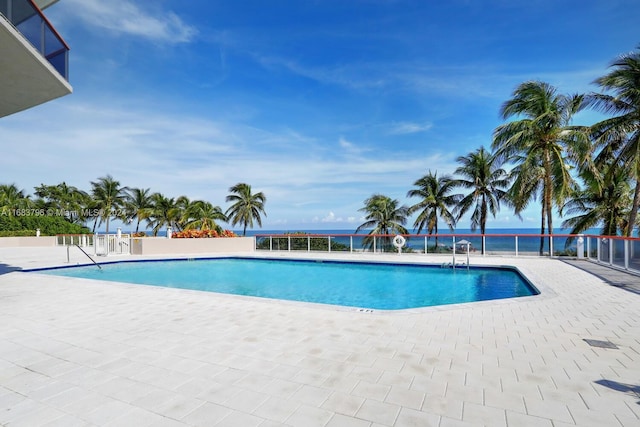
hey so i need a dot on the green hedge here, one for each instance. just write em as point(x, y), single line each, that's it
point(48, 225)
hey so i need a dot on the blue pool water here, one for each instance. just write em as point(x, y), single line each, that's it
point(362, 285)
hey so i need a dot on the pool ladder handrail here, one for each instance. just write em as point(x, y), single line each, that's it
point(82, 250)
point(453, 266)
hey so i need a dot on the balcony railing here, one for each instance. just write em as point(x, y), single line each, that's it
point(617, 252)
point(29, 20)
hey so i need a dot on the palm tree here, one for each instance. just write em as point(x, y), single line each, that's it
point(109, 197)
point(246, 207)
point(601, 203)
point(138, 205)
point(486, 181)
point(164, 212)
point(542, 141)
point(622, 132)
point(385, 217)
point(203, 215)
point(184, 207)
point(435, 200)
point(12, 198)
point(69, 200)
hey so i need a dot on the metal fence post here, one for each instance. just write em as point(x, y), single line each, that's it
point(626, 254)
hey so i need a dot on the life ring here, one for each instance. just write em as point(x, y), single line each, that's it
point(399, 241)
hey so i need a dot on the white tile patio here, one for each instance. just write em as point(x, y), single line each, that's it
point(79, 352)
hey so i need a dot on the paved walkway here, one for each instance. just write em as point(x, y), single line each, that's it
point(612, 276)
point(75, 352)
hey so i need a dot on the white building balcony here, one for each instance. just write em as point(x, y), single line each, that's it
point(34, 59)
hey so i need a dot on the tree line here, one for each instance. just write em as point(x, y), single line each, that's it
point(589, 173)
point(108, 200)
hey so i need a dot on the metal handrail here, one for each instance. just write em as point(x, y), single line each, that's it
point(82, 250)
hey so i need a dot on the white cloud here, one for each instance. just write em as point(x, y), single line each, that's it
point(351, 147)
point(125, 17)
point(405, 128)
point(346, 144)
point(331, 217)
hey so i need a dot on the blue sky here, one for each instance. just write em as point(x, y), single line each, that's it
point(318, 104)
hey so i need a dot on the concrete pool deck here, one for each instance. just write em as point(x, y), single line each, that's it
point(75, 352)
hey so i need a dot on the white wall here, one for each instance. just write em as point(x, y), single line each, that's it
point(162, 245)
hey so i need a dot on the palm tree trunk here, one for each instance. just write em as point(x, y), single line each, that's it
point(483, 221)
point(542, 230)
point(546, 198)
point(435, 228)
point(550, 228)
point(549, 209)
point(634, 209)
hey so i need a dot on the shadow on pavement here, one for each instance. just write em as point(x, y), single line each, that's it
point(633, 390)
point(4, 268)
point(619, 279)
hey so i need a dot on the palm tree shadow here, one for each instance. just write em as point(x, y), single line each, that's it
point(5, 268)
point(631, 389)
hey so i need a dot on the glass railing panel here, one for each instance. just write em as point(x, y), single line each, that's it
point(298, 243)
point(634, 255)
point(263, 243)
point(280, 244)
point(592, 248)
point(340, 244)
point(530, 245)
point(59, 62)
point(52, 43)
point(618, 252)
point(19, 11)
point(36, 29)
point(564, 246)
point(604, 250)
point(31, 29)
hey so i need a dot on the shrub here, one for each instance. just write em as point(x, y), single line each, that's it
point(48, 225)
point(200, 234)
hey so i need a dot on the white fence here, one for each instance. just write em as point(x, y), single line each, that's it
point(112, 244)
point(103, 244)
point(82, 240)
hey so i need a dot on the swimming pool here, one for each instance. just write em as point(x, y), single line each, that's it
point(380, 286)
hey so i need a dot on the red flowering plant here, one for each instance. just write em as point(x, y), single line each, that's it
point(200, 234)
